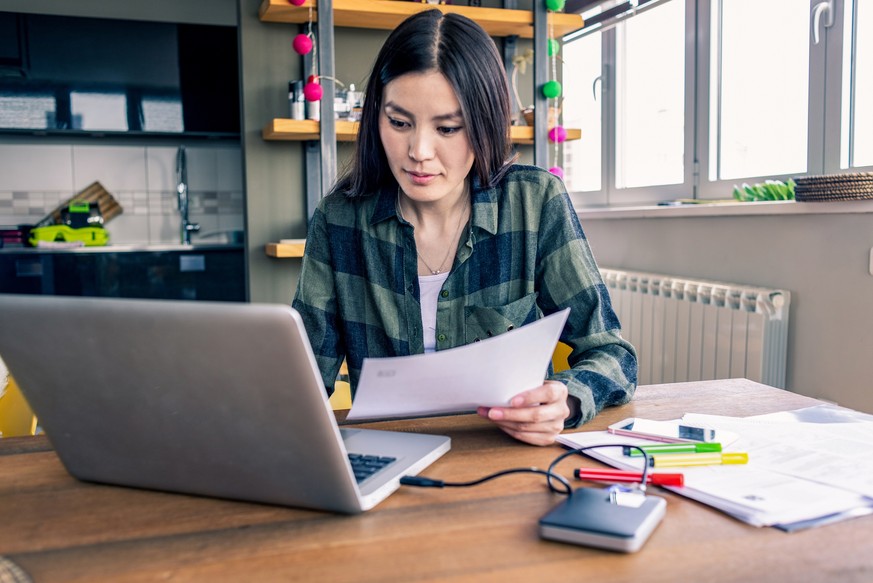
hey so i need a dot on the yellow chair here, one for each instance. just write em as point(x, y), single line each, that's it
point(16, 416)
point(560, 356)
point(341, 399)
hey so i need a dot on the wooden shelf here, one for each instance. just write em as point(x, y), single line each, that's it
point(346, 131)
point(307, 129)
point(286, 248)
point(386, 15)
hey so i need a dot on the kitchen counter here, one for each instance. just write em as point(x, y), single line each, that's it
point(132, 248)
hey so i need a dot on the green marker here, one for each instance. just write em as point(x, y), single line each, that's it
point(673, 448)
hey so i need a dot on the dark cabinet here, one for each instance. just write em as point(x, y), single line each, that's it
point(192, 274)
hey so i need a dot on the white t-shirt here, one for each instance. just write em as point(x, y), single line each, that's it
point(430, 287)
point(4, 372)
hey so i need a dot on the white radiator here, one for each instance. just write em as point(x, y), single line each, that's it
point(690, 330)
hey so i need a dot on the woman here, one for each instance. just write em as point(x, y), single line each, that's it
point(434, 239)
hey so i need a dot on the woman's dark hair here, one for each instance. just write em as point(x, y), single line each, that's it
point(458, 48)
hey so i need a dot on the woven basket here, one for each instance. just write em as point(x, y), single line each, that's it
point(828, 187)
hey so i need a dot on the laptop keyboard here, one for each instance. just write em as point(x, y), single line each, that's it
point(365, 466)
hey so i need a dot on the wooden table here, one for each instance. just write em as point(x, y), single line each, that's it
point(56, 528)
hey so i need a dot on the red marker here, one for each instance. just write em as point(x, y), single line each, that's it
point(610, 475)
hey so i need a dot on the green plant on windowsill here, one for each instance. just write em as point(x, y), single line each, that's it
point(769, 190)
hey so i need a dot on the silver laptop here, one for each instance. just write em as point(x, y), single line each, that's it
point(208, 398)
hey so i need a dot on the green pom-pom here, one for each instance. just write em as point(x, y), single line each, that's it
point(554, 47)
point(552, 89)
point(555, 5)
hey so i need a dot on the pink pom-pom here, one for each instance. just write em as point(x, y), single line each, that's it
point(558, 134)
point(312, 91)
point(297, 2)
point(557, 171)
point(302, 44)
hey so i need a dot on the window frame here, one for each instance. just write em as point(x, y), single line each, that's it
point(609, 194)
point(824, 140)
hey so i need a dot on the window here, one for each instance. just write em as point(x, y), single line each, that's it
point(698, 95)
point(759, 74)
point(858, 86)
point(634, 127)
point(582, 160)
point(650, 89)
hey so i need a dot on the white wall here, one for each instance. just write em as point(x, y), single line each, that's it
point(36, 176)
point(822, 259)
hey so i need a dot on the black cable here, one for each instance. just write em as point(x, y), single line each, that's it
point(646, 459)
point(431, 483)
point(423, 482)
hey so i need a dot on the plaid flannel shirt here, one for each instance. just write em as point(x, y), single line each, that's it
point(523, 255)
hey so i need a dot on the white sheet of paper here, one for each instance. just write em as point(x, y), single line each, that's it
point(757, 493)
point(487, 373)
point(836, 454)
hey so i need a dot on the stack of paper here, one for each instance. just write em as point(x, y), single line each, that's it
point(806, 468)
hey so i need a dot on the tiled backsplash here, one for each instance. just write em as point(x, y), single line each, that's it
point(35, 178)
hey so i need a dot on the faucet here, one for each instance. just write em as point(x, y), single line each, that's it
point(186, 226)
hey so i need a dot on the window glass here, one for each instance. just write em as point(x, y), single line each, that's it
point(862, 91)
point(98, 111)
point(759, 88)
point(650, 93)
point(581, 60)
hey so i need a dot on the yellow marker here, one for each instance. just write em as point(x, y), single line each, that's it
point(697, 459)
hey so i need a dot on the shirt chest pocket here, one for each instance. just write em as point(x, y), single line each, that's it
point(484, 322)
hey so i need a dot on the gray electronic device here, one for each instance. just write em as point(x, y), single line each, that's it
point(210, 398)
point(597, 517)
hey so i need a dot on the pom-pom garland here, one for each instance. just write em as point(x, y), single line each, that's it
point(302, 44)
point(558, 134)
point(552, 89)
point(312, 91)
point(554, 47)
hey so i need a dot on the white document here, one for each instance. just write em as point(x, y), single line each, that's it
point(458, 380)
point(776, 487)
point(836, 454)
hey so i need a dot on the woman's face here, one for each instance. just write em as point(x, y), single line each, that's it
point(424, 137)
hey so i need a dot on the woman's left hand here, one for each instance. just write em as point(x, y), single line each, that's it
point(535, 416)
